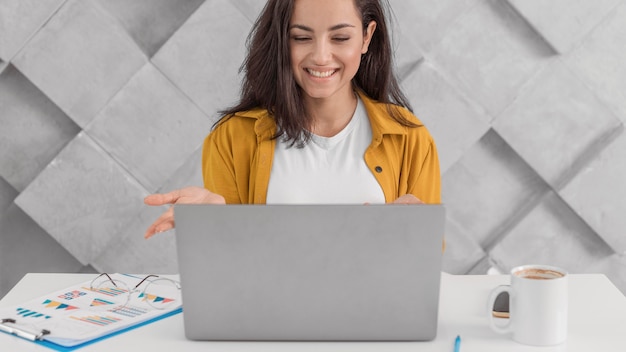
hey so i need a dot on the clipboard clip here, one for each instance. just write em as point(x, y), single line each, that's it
point(9, 326)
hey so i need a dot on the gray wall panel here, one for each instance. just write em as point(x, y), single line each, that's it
point(102, 102)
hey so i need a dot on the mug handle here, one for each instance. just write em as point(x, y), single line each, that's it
point(501, 329)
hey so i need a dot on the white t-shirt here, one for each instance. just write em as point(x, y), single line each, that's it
point(328, 170)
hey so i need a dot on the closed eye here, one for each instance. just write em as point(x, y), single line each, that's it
point(300, 38)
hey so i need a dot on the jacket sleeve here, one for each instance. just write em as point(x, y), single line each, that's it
point(218, 168)
point(424, 179)
point(427, 185)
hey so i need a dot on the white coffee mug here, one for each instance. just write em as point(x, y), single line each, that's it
point(537, 304)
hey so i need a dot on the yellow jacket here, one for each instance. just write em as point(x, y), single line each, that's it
point(237, 156)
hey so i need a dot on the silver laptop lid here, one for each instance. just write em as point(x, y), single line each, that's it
point(310, 272)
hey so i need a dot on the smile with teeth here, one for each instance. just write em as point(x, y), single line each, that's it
point(320, 74)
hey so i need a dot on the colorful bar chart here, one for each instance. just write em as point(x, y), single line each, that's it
point(98, 302)
point(72, 295)
point(27, 313)
point(155, 298)
point(109, 291)
point(130, 311)
point(58, 305)
point(97, 320)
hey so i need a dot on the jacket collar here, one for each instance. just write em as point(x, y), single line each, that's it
point(381, 122)
point(379, 117)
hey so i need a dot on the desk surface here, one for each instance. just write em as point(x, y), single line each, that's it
point(597, 319)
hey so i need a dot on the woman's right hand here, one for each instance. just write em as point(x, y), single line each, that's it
point(187, 195)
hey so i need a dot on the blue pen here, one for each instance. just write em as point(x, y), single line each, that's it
point(457, 344)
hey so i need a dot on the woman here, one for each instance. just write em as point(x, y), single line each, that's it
point(321, 118)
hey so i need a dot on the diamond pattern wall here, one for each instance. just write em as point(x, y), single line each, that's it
point(105, 101)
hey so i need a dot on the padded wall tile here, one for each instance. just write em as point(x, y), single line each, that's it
point(151, 22)
point(556, 124)
point(33, 129)
point(250, 8)
point(405, 43)
point(564, 23)
point(150, 127)
point(7, 194)
point(599, 61)
point(80, 59)
point(204, 56)
point(24, 246)
point(598, 194)
point(462, 251)
point(488, 188)
point(489, 53)
point(129, 252)
point(423, 22)
point(83, 198)
point(550, 234)
point(189, 174)
point(481, 268)
point(455, 122)
point(19, 20)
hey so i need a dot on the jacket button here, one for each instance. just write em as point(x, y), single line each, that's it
point(378, 169)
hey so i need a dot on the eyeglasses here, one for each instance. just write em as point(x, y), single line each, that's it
point(117, 296)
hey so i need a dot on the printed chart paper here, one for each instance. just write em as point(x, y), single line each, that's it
point(82, 313)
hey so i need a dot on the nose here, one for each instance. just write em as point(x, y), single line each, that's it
point(322, 52)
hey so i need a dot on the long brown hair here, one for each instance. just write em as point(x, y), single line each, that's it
point(268, 77)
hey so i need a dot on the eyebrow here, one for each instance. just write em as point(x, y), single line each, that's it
point(333, 28)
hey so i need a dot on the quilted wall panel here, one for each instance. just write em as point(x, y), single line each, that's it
point(105, 101)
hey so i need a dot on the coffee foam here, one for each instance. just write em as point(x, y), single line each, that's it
point(538, 274)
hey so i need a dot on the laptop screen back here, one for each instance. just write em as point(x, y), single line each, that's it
point(310, 272)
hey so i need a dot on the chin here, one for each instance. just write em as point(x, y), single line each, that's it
point(317, 94)
point(322, 92)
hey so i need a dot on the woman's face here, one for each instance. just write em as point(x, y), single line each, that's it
point(326, 43)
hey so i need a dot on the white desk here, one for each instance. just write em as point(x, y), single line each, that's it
point(597, 322)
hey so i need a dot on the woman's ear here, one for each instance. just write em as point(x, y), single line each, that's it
point(367, 38)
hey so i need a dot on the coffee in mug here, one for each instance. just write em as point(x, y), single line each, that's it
point(538, 273)
point(537, 303)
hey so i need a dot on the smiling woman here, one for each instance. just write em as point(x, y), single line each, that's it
point(326, 46)
point(321, 118)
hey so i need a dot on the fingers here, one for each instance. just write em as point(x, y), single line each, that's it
point(164, 223)
point(212, 198)
point(408, 199)
point(162, 199)
point(187, 195)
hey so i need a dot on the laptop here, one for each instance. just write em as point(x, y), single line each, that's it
point(310, 272)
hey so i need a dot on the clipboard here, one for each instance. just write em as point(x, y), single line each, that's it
point(66, 320)
point(10, 326)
